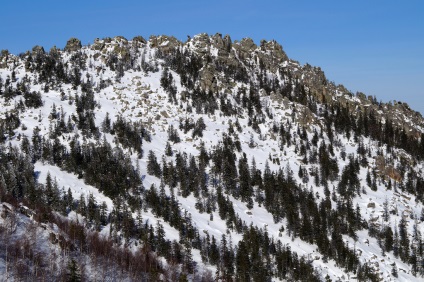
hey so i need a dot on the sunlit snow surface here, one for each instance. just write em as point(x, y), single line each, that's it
point(139, 97)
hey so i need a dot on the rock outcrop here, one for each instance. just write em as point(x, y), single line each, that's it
point(73, 44)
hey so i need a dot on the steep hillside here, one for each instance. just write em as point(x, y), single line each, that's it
point(202, 160)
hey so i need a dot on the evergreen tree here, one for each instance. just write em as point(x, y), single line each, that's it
point(246, 190)
point(153, 166)
point(403, 240)
point(106, 124)
point(73, 273)
point(396, 245)
point(386, 214)
point(242, 262)
point(388, 237)
point(168, 150)
point(394, 270)
point(51, 192)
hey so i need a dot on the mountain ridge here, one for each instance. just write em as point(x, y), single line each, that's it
point(214, 130)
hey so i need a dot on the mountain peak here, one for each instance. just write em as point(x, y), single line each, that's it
point(204, 160)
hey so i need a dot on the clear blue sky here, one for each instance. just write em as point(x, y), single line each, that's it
point(373, 46)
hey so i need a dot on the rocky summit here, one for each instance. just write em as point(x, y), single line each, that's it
point(206, 160)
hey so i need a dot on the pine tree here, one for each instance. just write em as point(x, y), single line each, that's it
point(82, 206)
point(160, 237)
point(199, 127)
point(368, 179)
point(103, 213)
point(388, 239)
point(213, 252)
point(69, 200)
point(396, 243)
point(73, 273)
point(153, 166)
point(246, 190)
point(403, 240)
point(168, 150)
point(51, 191)
point(91, 207)
point(300, 173)
point(386, 214)
point(243, 263)
point(106, 124)
point(394, 270)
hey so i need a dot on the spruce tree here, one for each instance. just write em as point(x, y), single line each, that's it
point(73, 273)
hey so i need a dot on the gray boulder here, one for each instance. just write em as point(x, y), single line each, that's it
point(73, 44)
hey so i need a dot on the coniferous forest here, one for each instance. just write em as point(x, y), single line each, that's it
point(204, 160)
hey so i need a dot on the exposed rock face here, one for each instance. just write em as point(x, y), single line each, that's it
point(272, 54)
point(223, 45)
point(275, 49)
point(393, 174)
point(139, 39)
point(38, 50)
point(4, 55)
point(245, 48)
point(73, 44)
point(98, 44)
point(386, 170)
point(227, 42)
point(120, 39)
point(397, 110)
point(221, 49)
point(314, 77)
point(207, 78)
point(201, 43)
point(328, 93)
point(305, 117)
point(219, 55)
point(164, 43)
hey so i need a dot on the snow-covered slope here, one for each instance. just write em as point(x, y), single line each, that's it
point(282, 118)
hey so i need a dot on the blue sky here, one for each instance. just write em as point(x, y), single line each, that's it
point(371, 46)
